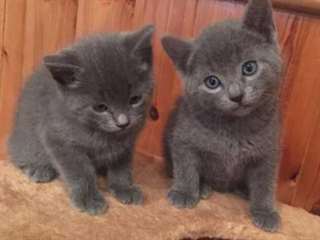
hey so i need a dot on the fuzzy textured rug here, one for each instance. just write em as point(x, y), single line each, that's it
point(32, 211)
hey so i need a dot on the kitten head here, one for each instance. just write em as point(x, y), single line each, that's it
point(233, 67)
point(105, 81)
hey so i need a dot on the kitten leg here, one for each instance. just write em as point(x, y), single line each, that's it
point(205, 190)
point(261, 183)
point(30, 156)
point(186, 181)
point(120, 181)
point(40, 173)
point(241, 191)
point(79, 175)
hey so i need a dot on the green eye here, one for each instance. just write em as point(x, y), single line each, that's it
point(212, 82)
point(100, 108)
point(249, 68)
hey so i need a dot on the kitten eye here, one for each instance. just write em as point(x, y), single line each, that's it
point(135, 100)
point(100, 108)
point(212, 82)
point(249, 68)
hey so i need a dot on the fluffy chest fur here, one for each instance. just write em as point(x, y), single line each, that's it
point(101, 148)
point(226, 149)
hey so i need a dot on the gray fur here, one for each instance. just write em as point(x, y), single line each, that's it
point(61, 128)
point(227, 138)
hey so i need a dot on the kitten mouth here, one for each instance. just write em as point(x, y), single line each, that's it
point(242, 110)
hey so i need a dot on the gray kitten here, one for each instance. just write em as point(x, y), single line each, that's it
point(224, 131)
point(81, 112)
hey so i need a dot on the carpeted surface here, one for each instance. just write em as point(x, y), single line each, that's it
point(32, 211)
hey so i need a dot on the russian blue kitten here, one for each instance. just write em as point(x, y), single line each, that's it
point(224, 131)
point(81, 112)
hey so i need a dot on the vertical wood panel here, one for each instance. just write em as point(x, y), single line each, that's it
point(50, 26)
point(301, 115)
point(174, 17)
point(307, 123)
point(32, 28)
point(145, 14)
point(104, 15)
point(289, 28)
point(2, 21)
point(12, 60)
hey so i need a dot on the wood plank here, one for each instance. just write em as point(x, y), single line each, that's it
point(179, 17)
point(2, 23)
point(308, 194)
point(51, 26)
point(104, 15)
point(41, 27)
point(302, 6)
point(12, 61)
point(147, 141)
point(288, 28)
point(299, 125)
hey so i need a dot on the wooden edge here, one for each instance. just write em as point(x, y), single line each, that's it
point(303, 6)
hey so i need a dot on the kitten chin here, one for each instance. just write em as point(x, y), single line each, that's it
point(229, 138)
point(81, 110)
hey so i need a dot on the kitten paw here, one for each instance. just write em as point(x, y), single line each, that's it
point(266, 220)
point(182, 200)
point(127, 194)
point(93, 205)
point(41, 174)
point(205, 191)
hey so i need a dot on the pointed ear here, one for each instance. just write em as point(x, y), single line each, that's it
point(139, 44)
point(63, 69)
point(178, 50)
point(258, 18)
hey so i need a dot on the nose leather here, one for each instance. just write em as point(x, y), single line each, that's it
point(235, 92)
point(237, 98)
point(122, 120)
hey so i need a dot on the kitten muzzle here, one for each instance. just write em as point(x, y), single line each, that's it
point(122, 120)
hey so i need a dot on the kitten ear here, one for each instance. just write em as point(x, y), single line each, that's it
point(140, 45)
point(258, 18)
point(63, 69)
point(178, 50)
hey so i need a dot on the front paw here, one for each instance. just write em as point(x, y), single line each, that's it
point(182, 200)
point(127, 194)
point(92, 204)
point(205, 191)
point(267, 220)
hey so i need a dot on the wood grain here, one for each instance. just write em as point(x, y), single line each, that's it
point(303, 88)
point(104, 15)
point(301, 6)
point(51, 26)
point(304, 6)
point(12, 60)
point(40, 27)
point(2, 23)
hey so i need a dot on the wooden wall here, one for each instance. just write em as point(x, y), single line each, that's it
point(30, 29)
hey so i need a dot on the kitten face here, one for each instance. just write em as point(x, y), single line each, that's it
point(232, 71)
point(232, 68)
point(106, 81)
